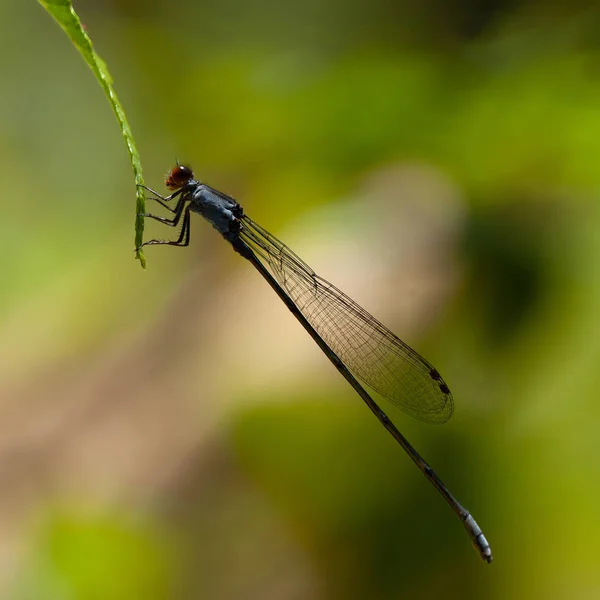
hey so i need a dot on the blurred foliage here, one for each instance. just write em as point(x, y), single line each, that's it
point(184, 398)
point(98, 557)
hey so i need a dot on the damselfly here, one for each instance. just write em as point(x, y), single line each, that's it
point(359, 346)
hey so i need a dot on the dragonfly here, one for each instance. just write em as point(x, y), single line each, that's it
point(362, 349)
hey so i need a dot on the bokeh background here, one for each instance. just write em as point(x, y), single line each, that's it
point(174, 433)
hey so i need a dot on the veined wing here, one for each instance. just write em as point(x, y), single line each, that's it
point(370, 351)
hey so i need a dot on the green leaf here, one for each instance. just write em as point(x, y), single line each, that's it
point(65, 15)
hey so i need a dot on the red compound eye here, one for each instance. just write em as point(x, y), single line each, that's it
point(178, 177)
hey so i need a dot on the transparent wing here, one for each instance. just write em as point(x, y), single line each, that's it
point(370, 351)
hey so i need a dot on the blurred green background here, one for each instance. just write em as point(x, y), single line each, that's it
point(174, 433)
